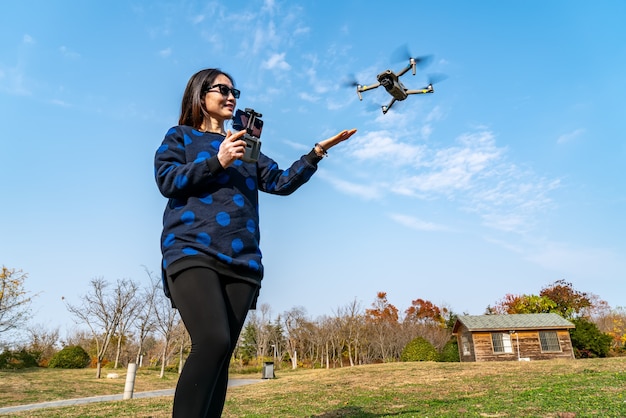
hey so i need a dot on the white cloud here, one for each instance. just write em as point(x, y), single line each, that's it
point(276, 61)
point(381, 146)
point(308, 97)
point(197, 19)
point(164, 53)
point(367, 192)
point(417, 224)
point(66, 52)
point(473, 172)
point(60, 103)
point(301, 30)
point(27, 39)
point(269, 5)
point(570, 136)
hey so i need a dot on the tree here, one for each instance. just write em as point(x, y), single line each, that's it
point(14, 300)
point(524, 304)
point(419, 349)
point(350, 325)
point(146, 321)
point(247, 347)
point(42, 343)
point(129, 311)
point(102, 311)
point(425, 319)
point(71, 357)
point(295, 322)
point(166, 319)
point(569, 302)
point(424, 311)
point(588, 341)
point(560, 297)
point(256, 334)
point(383, 326)
point(450, 351)
point(19, 359)
point(613, 323)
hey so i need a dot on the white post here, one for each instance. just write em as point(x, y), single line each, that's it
point(129, 387)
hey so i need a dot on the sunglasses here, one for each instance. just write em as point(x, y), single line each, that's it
point(225, 90)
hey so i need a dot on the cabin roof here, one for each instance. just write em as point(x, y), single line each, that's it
point(512, 322)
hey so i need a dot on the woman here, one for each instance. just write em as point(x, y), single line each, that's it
point(212, 266)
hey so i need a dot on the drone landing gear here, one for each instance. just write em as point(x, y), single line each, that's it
point(386, 108)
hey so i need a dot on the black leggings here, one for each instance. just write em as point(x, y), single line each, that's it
point(213, 309)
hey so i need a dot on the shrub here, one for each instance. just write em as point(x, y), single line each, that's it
point(21, 359)
point(419, 350)
point(588, 340)
point(450, 352)
point(71, 357)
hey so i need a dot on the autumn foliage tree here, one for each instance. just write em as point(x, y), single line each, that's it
point(569, 302)
point(424, 311)
point(425, 319)
point(560, 297)
point(383, 326)
point(523, 304)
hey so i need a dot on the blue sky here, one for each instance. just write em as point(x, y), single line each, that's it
point(508, 178)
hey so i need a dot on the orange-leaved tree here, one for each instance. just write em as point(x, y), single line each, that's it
point(383, 327)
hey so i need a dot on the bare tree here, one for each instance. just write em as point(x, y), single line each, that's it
point(146, 320)
point(42, 343)
point(294, 321)
point(259, 320)
point(182, 340)
point(14, 300)
point(166, 319)
point(350, 323)
point(102, 311)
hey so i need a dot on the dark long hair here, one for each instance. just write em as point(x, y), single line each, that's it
point(192, 111)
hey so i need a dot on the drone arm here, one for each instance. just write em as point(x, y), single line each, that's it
point(386, 108)
point(360, 89)
point(405, 69)
point(425, 90)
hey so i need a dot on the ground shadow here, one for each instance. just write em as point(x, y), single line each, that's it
point(356, 412)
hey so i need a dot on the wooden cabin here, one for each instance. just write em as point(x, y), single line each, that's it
point(513, 337)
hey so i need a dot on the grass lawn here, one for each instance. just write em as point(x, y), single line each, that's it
point(559, 388)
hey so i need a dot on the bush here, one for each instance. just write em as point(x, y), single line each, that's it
point(450, 352)
point(21, 359)
point(588, 341)
point(419, 350)
point(72, 357)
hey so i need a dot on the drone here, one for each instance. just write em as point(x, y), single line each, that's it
point(391, 82)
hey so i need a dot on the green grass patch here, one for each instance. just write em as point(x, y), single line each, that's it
point(560, 388)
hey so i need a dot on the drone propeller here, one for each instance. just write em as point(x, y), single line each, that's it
point(402, 53)
point(436, 78)
point(350, 82)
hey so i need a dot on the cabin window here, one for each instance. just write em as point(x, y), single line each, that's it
point(549, 341)
point(501, 342)
point(465, 345)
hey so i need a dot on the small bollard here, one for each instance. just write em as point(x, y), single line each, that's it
point(129, 387)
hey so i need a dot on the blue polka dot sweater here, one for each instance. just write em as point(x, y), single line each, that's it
point(212, 213)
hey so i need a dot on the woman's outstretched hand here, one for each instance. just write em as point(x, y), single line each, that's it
point(334, 140)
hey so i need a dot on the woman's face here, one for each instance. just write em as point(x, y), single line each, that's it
point(216, 104)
